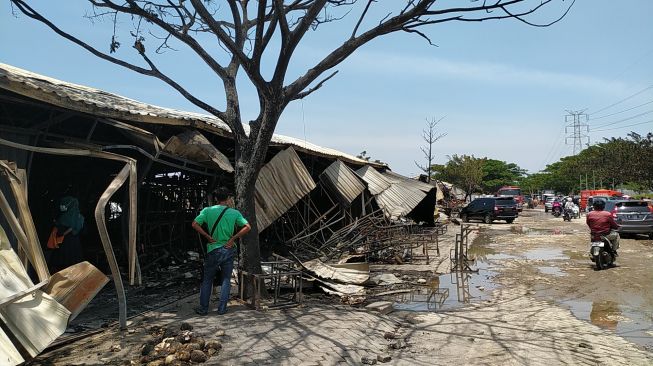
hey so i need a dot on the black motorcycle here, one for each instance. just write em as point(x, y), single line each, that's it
point(567, 214)
point(602, 252)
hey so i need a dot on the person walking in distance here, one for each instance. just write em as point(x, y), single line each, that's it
point(222, 221)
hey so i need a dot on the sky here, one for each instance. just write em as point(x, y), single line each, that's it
point(503, 87)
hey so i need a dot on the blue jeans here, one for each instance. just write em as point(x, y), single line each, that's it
point(220, 259)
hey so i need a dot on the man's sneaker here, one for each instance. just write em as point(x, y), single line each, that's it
point(201, 312)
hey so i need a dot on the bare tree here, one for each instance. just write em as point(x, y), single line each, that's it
point(430, 135)
point(234, 35)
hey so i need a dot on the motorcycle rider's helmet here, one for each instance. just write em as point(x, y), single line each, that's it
point(568, 199)
point(598, 205)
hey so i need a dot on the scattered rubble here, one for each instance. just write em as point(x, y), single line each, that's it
point(177, 346)
point(382, 307)
point(384, 358)
point(368, 360)
point(399, 344)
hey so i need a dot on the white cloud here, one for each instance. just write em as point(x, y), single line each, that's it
point(497, 73)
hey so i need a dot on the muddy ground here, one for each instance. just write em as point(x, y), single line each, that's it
point(550, 257)
point(535, 300)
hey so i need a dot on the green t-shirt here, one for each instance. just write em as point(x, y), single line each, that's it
point(226, 227)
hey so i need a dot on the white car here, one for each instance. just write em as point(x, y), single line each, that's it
point(548, 204)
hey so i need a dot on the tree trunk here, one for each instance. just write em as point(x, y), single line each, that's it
point(250, 253)
point(250, 156)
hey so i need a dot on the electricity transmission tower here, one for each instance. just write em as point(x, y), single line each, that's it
point(577, 129)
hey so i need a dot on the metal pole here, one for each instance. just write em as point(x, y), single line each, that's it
point(100, 219)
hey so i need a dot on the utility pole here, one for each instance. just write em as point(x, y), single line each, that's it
point(577, 129)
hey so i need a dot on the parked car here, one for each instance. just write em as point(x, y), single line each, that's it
point(489, 209)
point(548, 204)
point(633, 216)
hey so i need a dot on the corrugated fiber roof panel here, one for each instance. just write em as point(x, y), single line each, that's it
point(280, 185)
point(340, 179)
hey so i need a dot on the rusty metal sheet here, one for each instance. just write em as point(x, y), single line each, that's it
point(75, 286)
point(280, 185)
point(339, 179)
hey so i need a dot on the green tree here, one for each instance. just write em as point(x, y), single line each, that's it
point(464, 171)
point(497, 173)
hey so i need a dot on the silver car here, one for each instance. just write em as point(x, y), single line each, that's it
point(633, 216)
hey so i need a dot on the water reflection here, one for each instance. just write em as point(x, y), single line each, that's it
point(436, 293)
point(605, 314)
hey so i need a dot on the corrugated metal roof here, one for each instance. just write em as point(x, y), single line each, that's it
point(341, 180)
point(281, 184)
point(398, 200)
point(409, 182)
point(101, 103)
point(396, 197)
point(375, 181)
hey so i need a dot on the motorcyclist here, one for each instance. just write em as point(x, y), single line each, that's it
point(602, 223)
point(569, 206)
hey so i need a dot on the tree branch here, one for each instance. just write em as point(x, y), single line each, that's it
point(304, 94)
point(30, 12)
point(360, 20)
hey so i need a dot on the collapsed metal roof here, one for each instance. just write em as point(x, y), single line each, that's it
point(393, 193)
point(375, 181)
point(280, 185)
point(408, 182)
point(104, 104)
point(339, 179)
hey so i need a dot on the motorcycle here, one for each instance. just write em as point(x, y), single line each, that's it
point(566, 215)
point(601, 252)
point(556, 210)
point(576, 212)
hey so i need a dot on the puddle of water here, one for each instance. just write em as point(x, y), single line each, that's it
point(447, 291)
point(572, 254)
point(481, 255)
point(635, 326)
point(555, 271)
point(530, 231)
point(545, 254)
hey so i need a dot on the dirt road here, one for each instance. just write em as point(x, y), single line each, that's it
point(536, 300)
point(550, 257)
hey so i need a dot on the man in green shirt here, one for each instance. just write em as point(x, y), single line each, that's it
point(225, 225)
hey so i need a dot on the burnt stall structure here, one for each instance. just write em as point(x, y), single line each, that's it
point(142, 172)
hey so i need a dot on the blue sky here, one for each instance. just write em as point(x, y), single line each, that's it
point(503, 87)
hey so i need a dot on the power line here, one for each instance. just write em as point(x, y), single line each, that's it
point(578, 129)
point(623, 119)
point(623, 100)
point(625, 110)
point(620, 127)
point(553, 146)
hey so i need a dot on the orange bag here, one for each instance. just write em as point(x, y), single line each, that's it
point(53, 240)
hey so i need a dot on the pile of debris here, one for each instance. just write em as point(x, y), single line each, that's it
point(176, 347)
